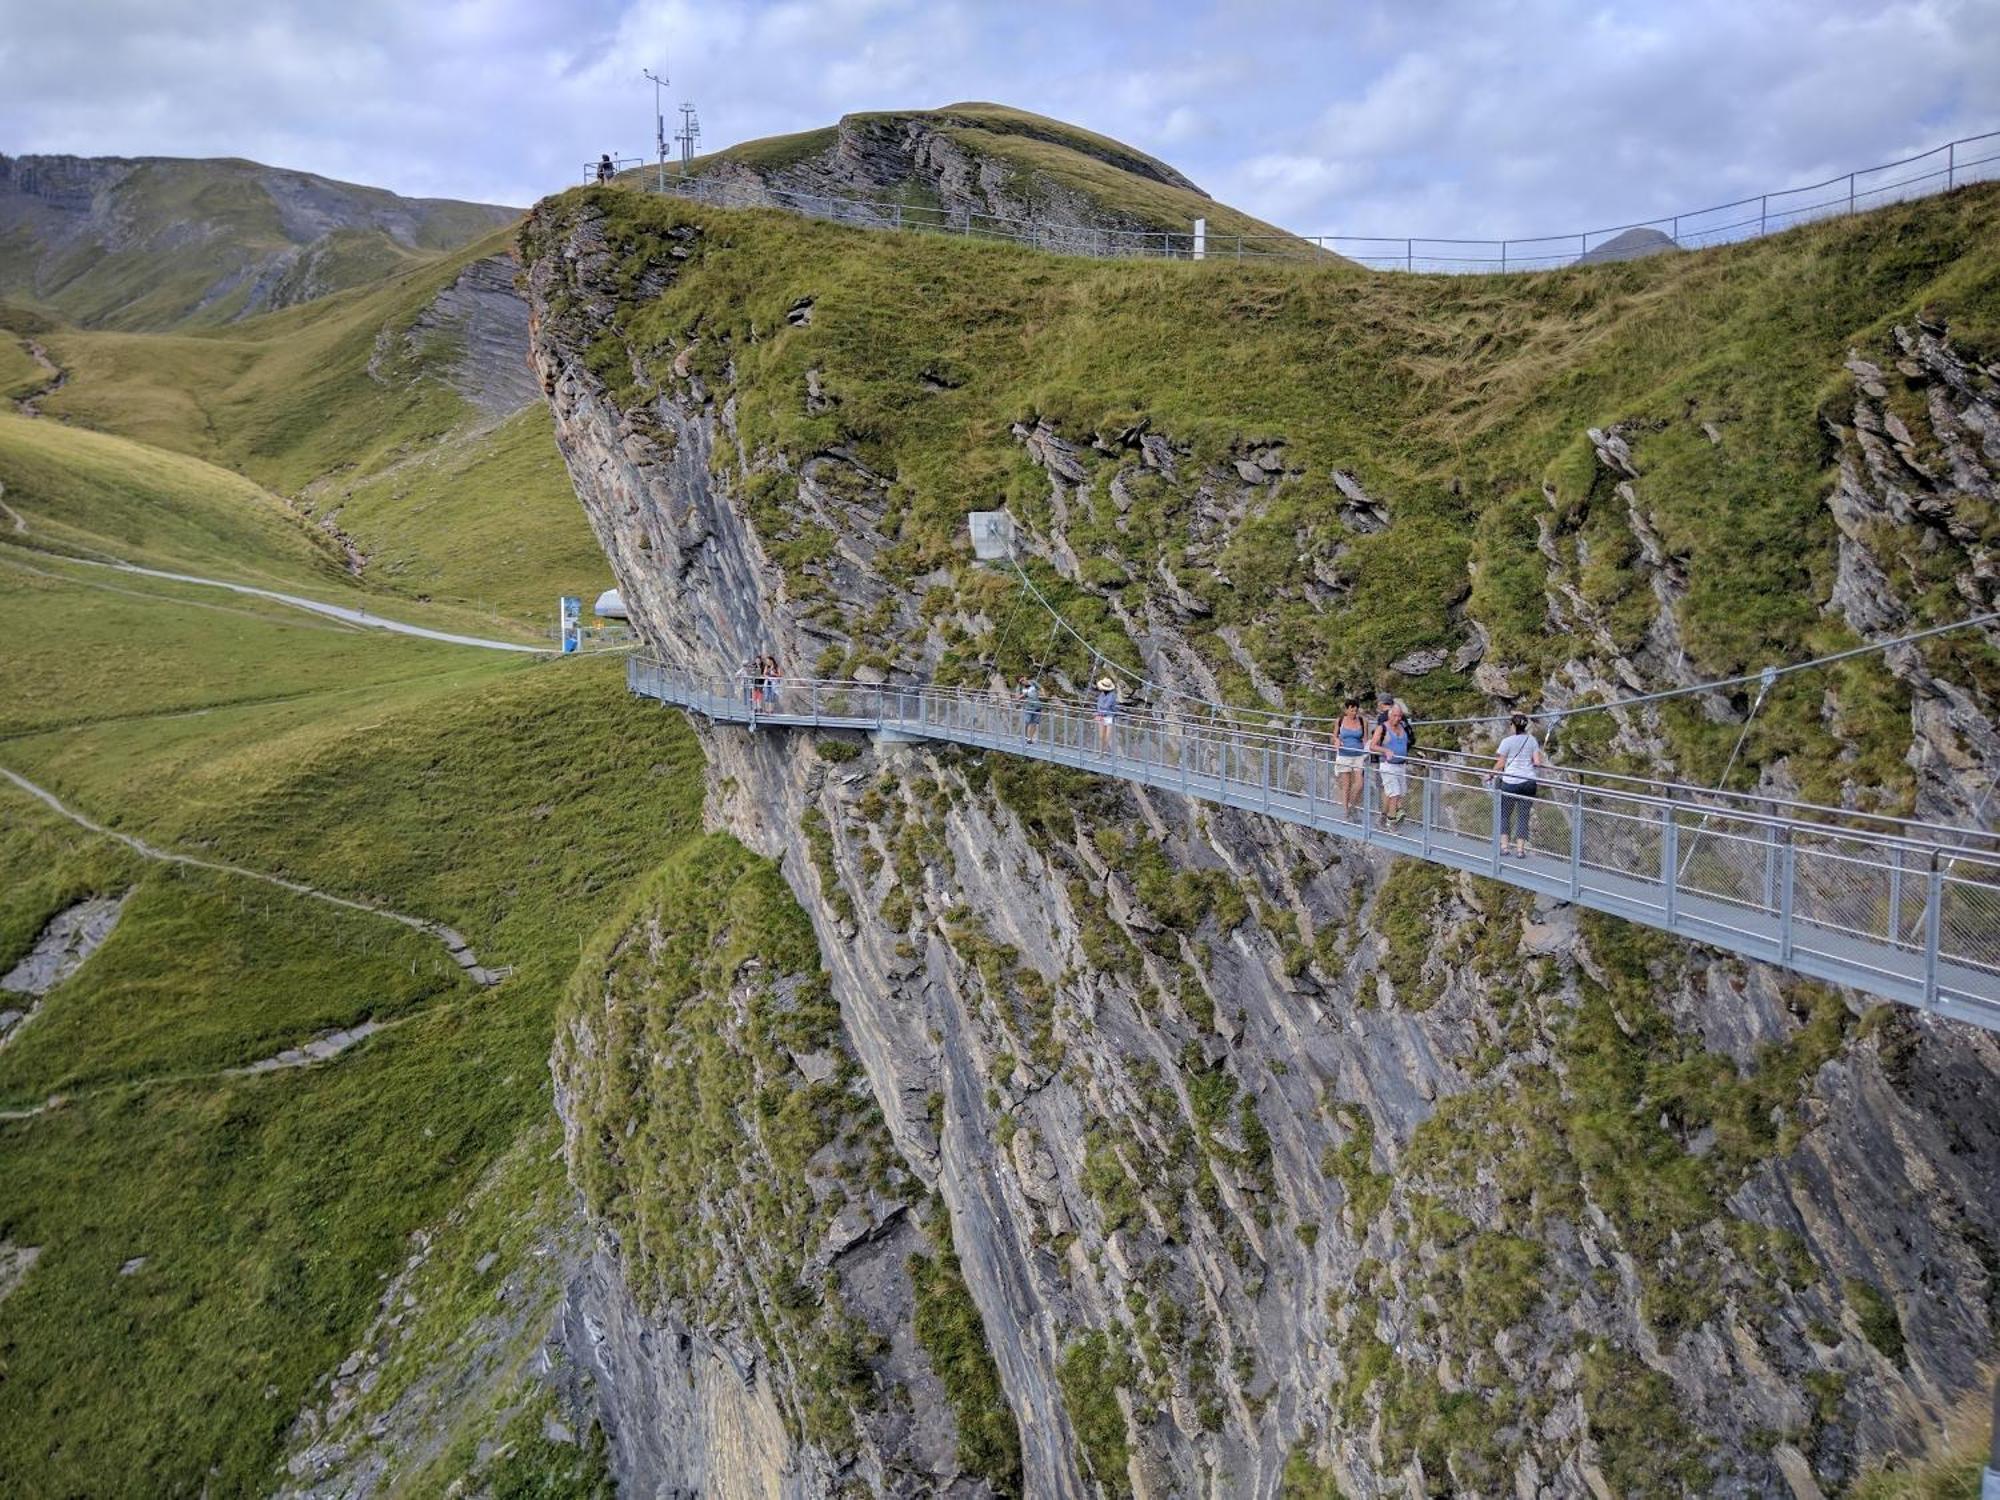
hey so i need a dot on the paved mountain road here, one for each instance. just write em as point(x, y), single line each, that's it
point(345, 612)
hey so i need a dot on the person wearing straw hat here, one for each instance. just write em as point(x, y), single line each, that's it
point(1107, 712)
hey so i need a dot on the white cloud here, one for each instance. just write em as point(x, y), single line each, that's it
point(1451, 116)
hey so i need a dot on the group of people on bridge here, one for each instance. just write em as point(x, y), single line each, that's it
point(758, 680)
point(1384, 744)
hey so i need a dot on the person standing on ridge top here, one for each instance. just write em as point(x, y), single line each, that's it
point(605, 171)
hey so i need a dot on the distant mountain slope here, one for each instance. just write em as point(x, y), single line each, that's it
point(155, 243)
point(401, 416)
point(1073, 184)
point(1633, 244)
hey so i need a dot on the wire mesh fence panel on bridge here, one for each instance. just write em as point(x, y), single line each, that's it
point(1969, 159)
point(1904, 910)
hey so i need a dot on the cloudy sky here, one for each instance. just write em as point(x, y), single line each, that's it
point(1476, 117)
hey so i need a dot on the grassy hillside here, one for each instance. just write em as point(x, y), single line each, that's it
point(1461, 403)
point(166, 243)
point(288, 397)
point(91, 491)
point(491, 520)
point(211, 1245)
point(75, 499)
point(332, 404)
point(19, 374)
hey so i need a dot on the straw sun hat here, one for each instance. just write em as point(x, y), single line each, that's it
point(1105, 684)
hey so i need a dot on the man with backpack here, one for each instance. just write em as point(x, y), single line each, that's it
point(1390, 748)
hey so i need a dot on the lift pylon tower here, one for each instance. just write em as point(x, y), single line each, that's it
point(689, 136)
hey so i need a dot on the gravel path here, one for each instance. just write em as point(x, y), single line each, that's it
point(454, 944)
point(322, 1048)
point(347, 613)
point(332, 611)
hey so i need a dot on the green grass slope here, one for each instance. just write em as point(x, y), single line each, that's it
point(212, 1245)
point(1462, 403)
point(490, 520)
point(338, 404)
point(19, 374)
point(86, 645)
point(286, 398)
point(95, 492)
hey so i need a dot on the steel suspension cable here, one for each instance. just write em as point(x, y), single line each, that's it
point(1098, 657)
point(1737, 681)
point(1766, 682)
point(1771, 673)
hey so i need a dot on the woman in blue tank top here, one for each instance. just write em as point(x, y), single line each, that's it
point(1350, 757)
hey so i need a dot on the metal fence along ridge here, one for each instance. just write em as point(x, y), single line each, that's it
point(1970, 159)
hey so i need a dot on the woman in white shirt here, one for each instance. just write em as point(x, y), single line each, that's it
point(1518, 763)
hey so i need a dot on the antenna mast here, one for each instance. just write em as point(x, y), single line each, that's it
point(659, 122)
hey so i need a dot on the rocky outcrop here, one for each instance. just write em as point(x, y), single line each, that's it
point(1631, 244)
point(942, 168)
point(1264, 1157)
point(1918, 485)
point(764, 1313)
point(479, 326)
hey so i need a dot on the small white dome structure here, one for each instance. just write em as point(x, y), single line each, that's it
point(610, 605)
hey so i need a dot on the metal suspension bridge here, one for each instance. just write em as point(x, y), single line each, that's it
point(1904, 910)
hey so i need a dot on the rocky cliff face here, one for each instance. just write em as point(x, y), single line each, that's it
point(480, 321)
point(1266, 1163)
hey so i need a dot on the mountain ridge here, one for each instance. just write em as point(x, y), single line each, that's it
point(1083, 191)
point(151, 243)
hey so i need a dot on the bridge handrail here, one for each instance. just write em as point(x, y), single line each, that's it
point(1880, 830)
point(1913, 920)
point(1272, 728)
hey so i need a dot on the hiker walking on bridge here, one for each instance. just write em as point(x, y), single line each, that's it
point(1350, 757)
point(1518, 762)
point(1107, 712)
point(1391, 747)
point(1030, 693)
